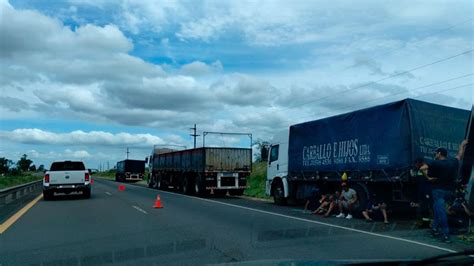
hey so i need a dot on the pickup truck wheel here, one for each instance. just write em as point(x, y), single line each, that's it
point(236, 192)
point(87, 193)
point(47, 195)
point(278, 194)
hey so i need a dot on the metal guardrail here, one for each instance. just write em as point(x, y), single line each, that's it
point(11, 194)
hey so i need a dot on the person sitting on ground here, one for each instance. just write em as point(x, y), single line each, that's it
point(377, 209)
point(347, 200)
point(312, 203)
point(326, 207)
point(324, 204)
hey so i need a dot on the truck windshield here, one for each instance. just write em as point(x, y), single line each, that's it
point(67, 166)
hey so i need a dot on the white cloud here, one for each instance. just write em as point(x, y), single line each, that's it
point(198, 68)
point(79, 137)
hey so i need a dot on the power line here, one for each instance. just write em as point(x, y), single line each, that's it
point(386, 78)
point(414, 42)
point(394, 94)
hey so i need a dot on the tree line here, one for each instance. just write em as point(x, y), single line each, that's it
point(24, 164)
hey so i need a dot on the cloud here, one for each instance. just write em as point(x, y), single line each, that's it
point(79, 137)
point(13, 104)
point(242, 90)
point(198, 68)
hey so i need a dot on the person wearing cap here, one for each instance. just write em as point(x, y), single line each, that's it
point(442, 172)
point(346, 201)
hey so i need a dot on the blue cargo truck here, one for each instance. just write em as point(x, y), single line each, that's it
point(375, 147)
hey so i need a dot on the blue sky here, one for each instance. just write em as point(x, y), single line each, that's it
point(84, 79)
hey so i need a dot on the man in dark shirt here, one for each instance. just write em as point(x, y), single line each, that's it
point(442, 172)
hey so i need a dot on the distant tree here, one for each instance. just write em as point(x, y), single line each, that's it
point(24, 163)
point(5, 165)
point(32, 168)
point(41, 168)
point(260, 145)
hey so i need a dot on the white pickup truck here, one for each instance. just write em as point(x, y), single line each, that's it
point(66, 177)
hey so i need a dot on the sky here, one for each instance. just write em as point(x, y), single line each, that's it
point(85, 79)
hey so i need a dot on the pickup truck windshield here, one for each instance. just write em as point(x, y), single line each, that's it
point(64, 166)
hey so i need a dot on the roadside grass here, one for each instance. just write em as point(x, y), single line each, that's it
point(256, 181)
point(15, 180)
point(105, 175)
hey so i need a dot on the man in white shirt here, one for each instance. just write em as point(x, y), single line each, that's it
point(346, 201)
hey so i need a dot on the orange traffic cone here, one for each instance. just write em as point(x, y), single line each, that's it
point(158, 203)
point(121, 187)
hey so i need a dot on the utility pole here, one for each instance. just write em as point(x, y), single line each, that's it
point(194, 135)
point(108, 168)
point(127, 153)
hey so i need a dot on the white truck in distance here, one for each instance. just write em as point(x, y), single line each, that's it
point(66, 177)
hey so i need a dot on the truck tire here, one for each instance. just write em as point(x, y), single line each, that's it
point(236, 192)
point(278, 194)
point(199, 189)
point(86, 193)
point(362, 196)
point(150, 181)
point(186, 186)
point(220, 192)
point(47, 195)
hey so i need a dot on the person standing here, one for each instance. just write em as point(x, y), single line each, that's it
point(442, 172)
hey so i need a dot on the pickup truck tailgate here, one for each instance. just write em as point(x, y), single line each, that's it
point(66, 177)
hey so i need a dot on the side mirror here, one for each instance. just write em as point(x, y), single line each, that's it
point(264, 153)
point(146, 160)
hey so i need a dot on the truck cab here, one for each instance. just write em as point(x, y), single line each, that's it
point(277, 168)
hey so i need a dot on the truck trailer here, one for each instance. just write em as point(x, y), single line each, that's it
point(130, 170)
point(375, 148)
point(201, 171)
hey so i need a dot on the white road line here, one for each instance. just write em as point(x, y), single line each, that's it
point(108, 193)
point(313, 222)
point(139, 209)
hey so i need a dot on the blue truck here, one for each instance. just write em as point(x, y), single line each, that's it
point(374, 147)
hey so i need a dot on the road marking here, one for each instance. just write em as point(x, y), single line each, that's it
point(108, 193)
point(16, 216)
point(314, 222)
point(139, 209)
point(309, 221)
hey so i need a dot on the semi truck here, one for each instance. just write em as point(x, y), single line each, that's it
point(130, 170)
point(373, 148)
point(201, 171)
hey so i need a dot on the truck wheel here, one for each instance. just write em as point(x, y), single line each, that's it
point(186, 186)
point(86, 193)
point(47, 195)
point(279, 194)
point(362, 196)
point(199, 189)
point(150, 182)
point(220, 192)
point(236, 192)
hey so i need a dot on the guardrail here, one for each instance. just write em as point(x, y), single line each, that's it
point(11, 194)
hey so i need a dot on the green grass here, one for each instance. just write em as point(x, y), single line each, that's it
point(106, 175)
point(256, 181)
point(10, 181)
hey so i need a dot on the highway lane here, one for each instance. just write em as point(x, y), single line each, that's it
point(121, 227)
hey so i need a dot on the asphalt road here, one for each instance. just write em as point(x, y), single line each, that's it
point(121, 227)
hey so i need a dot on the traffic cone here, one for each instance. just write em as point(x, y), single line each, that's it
point(121, 187)
point(158, 203)
point(92, 181)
